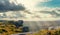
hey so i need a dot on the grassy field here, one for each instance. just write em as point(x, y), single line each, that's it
point(8, 28)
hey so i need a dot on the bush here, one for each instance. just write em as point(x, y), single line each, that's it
point(2, 30)
point(18, 23)
point(25, 29)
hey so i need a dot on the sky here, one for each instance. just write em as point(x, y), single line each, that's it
point(30, 9)
point(52, 4)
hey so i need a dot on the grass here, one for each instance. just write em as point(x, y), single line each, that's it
point(7, 29)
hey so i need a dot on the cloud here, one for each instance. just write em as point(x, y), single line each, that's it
point(15, 5)
point(47, 14)
point(30, 4)
point(12, 5)
point(5, 5)
point(54, 12)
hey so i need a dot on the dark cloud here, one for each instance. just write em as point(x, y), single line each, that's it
point(5, 5)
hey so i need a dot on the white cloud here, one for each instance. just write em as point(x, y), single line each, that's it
point(30, 4)
point(46, 15)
